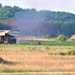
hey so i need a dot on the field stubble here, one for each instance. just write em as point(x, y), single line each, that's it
point(24, 58)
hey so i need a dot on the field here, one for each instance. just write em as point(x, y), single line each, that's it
point(36, 58)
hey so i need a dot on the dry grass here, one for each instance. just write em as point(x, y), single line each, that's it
point(38, 61)
point(38, 73)
point(37, 58)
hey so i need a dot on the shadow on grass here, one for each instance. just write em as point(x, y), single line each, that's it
point(6, 62)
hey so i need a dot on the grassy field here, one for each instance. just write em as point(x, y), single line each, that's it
point(50, 43)
point(39, 73)
point(36, 58)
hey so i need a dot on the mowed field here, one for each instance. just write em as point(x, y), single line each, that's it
point(24, 58)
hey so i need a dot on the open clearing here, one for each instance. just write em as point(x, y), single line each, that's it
point(22, 58)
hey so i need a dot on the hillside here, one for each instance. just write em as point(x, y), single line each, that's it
point(38, 23)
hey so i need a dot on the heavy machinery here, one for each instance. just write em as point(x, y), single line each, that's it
point(8, 36)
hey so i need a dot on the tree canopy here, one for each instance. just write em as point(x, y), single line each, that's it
point(61, 38)
point(51, 22)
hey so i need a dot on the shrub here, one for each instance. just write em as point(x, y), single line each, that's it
point(61, 38)
point(39, 43)
point(72, 52)
point(61, 53)
point(68, 53)
point(47, 36)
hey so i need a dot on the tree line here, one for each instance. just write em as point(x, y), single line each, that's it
point(53, 23)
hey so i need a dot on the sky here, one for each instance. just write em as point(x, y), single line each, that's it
point(53, 5)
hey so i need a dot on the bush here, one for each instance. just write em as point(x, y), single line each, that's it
point(47, 36)
point(61, 38)
point(72, 52)
point(39, 43)
point(61, 53)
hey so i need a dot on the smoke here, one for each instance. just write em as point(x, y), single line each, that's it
point(30, 23)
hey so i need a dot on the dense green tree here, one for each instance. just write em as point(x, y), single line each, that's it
point(61, 38)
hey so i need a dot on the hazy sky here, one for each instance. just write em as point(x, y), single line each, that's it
point(53, 5)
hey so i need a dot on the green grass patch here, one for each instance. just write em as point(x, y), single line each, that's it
point(50, 43)
point(71, 52)
point(28, 70)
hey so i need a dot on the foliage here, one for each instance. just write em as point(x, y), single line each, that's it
point(47, 36)
point(4, 27)
point(52, 23)
point(21, 70)
point(61, 38)
point(62, 53)
point(8, 12)
point(49, 43)
point(72, 52)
